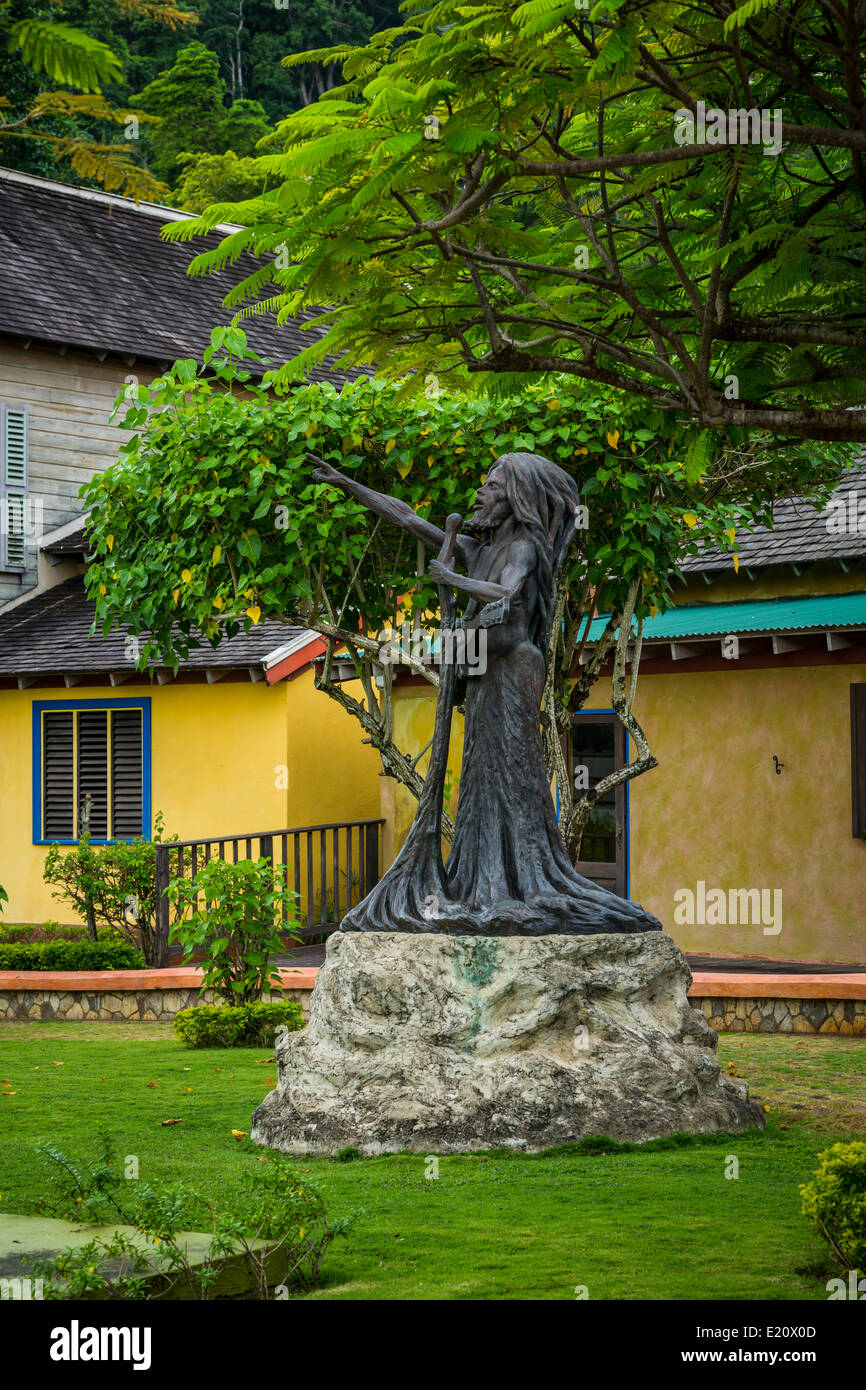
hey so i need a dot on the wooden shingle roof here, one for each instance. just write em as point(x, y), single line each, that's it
point(50, 635)
point(90, 270)
point(802, 533)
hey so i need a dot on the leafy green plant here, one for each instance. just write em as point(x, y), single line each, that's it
point(834, 1202)
point(4, 897)
point(238, 928)
point(149, 1258)
point(237, 1025)
point(23, 933)
point(70, 955)
point(115, 883)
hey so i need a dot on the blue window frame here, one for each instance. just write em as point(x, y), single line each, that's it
point(95, 747)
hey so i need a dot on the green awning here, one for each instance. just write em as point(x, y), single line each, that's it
point(830, 612)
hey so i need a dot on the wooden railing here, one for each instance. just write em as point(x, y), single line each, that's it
point(330, 868)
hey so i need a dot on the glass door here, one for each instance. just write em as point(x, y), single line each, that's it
point(598, 747)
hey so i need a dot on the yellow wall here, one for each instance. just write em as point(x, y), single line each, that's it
point(716, 810)
point(217, 752)
point(778, 582)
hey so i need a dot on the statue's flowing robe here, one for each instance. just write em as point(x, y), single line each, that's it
point(508, 871)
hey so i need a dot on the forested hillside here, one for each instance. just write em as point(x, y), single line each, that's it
point(194, 87)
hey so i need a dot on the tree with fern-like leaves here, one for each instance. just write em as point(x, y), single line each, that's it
point(502, 191)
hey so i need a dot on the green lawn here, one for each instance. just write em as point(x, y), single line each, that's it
point(648, 1224)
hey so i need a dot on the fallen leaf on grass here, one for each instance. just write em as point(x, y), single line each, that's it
point(260, 1061)
point(269, 1081)
point(58, 1064)
point(152, 1085)
point(239, 1134)
point(8, 1093)
point(171, 1122)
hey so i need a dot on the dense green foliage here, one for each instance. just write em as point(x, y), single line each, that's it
point(48, 931)
point(834, 1202)
point(237, 915)
point(189, 102)
point(72, 123)
point(70, 955)
point(211, 517)
point(237, 1025)
point(502, 190)
point(122, 49)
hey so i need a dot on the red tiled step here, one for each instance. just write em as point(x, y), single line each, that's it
point(716, 985)
point(704, 984)
point(118, 981)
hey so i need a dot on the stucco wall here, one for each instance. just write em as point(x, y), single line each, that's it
point(216, 754)
point(717, 811)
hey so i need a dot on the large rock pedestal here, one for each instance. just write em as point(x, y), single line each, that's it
point(446, 1044)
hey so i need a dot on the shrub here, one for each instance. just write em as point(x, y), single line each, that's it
point(116, 883)
point(70, 955)
point(834, 1202)
point(271, 1202)
point(50, 931)
point(238, 926)
point(237, 1025)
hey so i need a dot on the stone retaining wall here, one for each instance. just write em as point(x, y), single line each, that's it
point(104, 1006)
point(846, 1017)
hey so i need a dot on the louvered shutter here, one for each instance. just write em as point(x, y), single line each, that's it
point(13, 488)
point(93, 769)
point(126, 774)
point(58, 776)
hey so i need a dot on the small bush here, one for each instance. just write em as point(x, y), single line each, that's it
point(50, 931)
point(114, 885)
point(834, 1202)
point(240, 927)
point(70, 955)
point(237, 1025)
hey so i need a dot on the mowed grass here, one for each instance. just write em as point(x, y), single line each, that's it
point(656, 1223)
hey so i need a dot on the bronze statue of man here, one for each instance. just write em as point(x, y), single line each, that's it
point(508, 872)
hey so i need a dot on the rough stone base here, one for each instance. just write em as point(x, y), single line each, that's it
point(436, 1043)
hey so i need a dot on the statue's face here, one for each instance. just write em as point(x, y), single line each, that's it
point(491, 502)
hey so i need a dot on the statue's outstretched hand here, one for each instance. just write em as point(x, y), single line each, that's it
point(326, 473)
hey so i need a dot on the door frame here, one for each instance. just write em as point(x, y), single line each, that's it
point(621, 799)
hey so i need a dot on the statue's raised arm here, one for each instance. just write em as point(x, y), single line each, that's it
point(389, 508)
